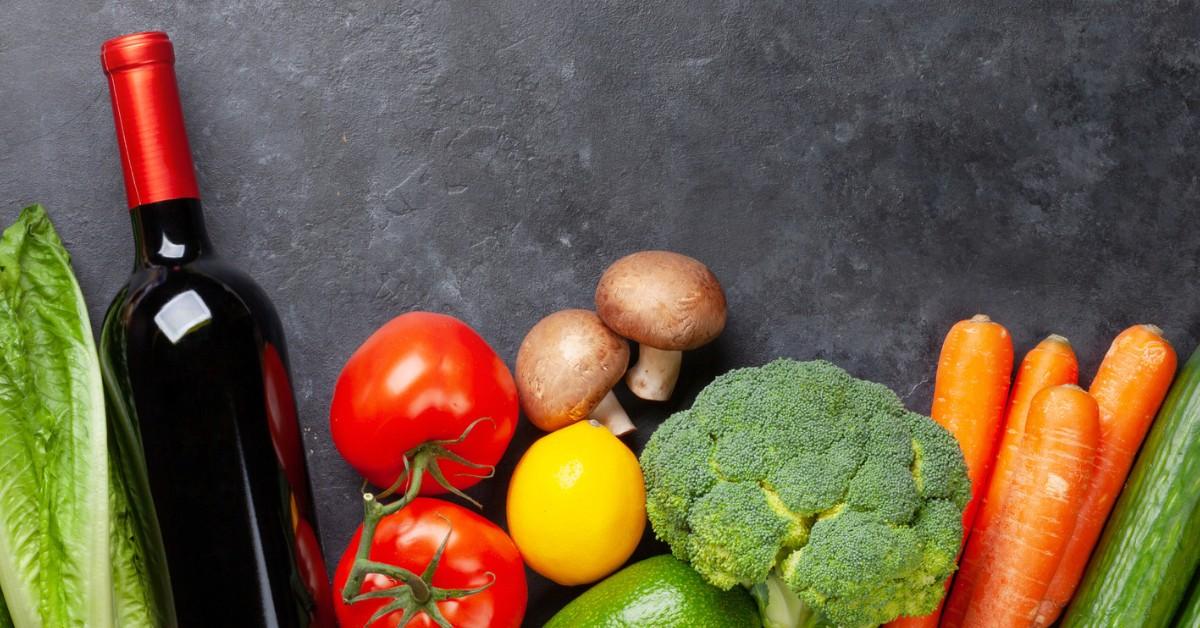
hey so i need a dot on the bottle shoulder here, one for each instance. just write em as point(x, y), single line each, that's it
point(180, 298)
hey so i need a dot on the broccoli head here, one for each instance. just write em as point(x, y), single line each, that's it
point(795, 478)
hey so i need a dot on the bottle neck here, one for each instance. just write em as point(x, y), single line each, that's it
point(155, 158)
point(169, 233)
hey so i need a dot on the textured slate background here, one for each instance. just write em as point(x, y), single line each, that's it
point(860, 175)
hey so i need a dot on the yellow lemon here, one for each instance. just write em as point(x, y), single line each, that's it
point(577, 504)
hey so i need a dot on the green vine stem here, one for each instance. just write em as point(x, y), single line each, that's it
point(414, 593)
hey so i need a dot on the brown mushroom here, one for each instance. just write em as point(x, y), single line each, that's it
point(667, 303)
point(566, 368)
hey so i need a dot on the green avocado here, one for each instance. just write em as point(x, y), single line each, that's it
point(659, 592)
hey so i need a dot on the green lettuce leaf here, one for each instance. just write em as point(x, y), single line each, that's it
point(141, 587)
point(54, 496)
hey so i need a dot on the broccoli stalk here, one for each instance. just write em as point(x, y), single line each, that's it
point(795, 477)
point(779, 606)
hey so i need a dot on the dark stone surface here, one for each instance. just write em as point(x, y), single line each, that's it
point(859, 175)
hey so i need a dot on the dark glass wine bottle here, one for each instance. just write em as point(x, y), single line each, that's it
point(193, 354)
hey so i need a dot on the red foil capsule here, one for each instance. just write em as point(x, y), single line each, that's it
point(155, 157)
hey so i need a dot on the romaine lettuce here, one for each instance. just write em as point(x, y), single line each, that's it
point(60, 503)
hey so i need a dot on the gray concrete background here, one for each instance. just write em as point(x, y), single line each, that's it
point(859, 174)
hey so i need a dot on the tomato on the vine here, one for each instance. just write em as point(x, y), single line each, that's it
point(478, 581)
point(427, 381)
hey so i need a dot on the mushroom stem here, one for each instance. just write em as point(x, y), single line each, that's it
point(655, 374)
point(610, 413)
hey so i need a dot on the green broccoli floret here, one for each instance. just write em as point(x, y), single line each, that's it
point(820, 492)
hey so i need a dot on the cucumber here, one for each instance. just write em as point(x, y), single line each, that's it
point(1189, 612)
point(1141, 568)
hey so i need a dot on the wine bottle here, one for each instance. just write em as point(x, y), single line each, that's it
point(193, 354)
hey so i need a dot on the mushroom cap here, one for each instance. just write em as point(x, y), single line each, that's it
point(566, 365)
point(662, 299)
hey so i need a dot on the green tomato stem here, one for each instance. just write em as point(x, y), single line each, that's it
point(415, 593)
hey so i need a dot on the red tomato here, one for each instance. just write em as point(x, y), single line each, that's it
point(409, 538)
point(422, 377)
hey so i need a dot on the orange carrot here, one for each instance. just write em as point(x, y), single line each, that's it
point(928, 621)
point(1129, 386)
point(1051, 363)
point(1027, 539)
point(969, 395)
